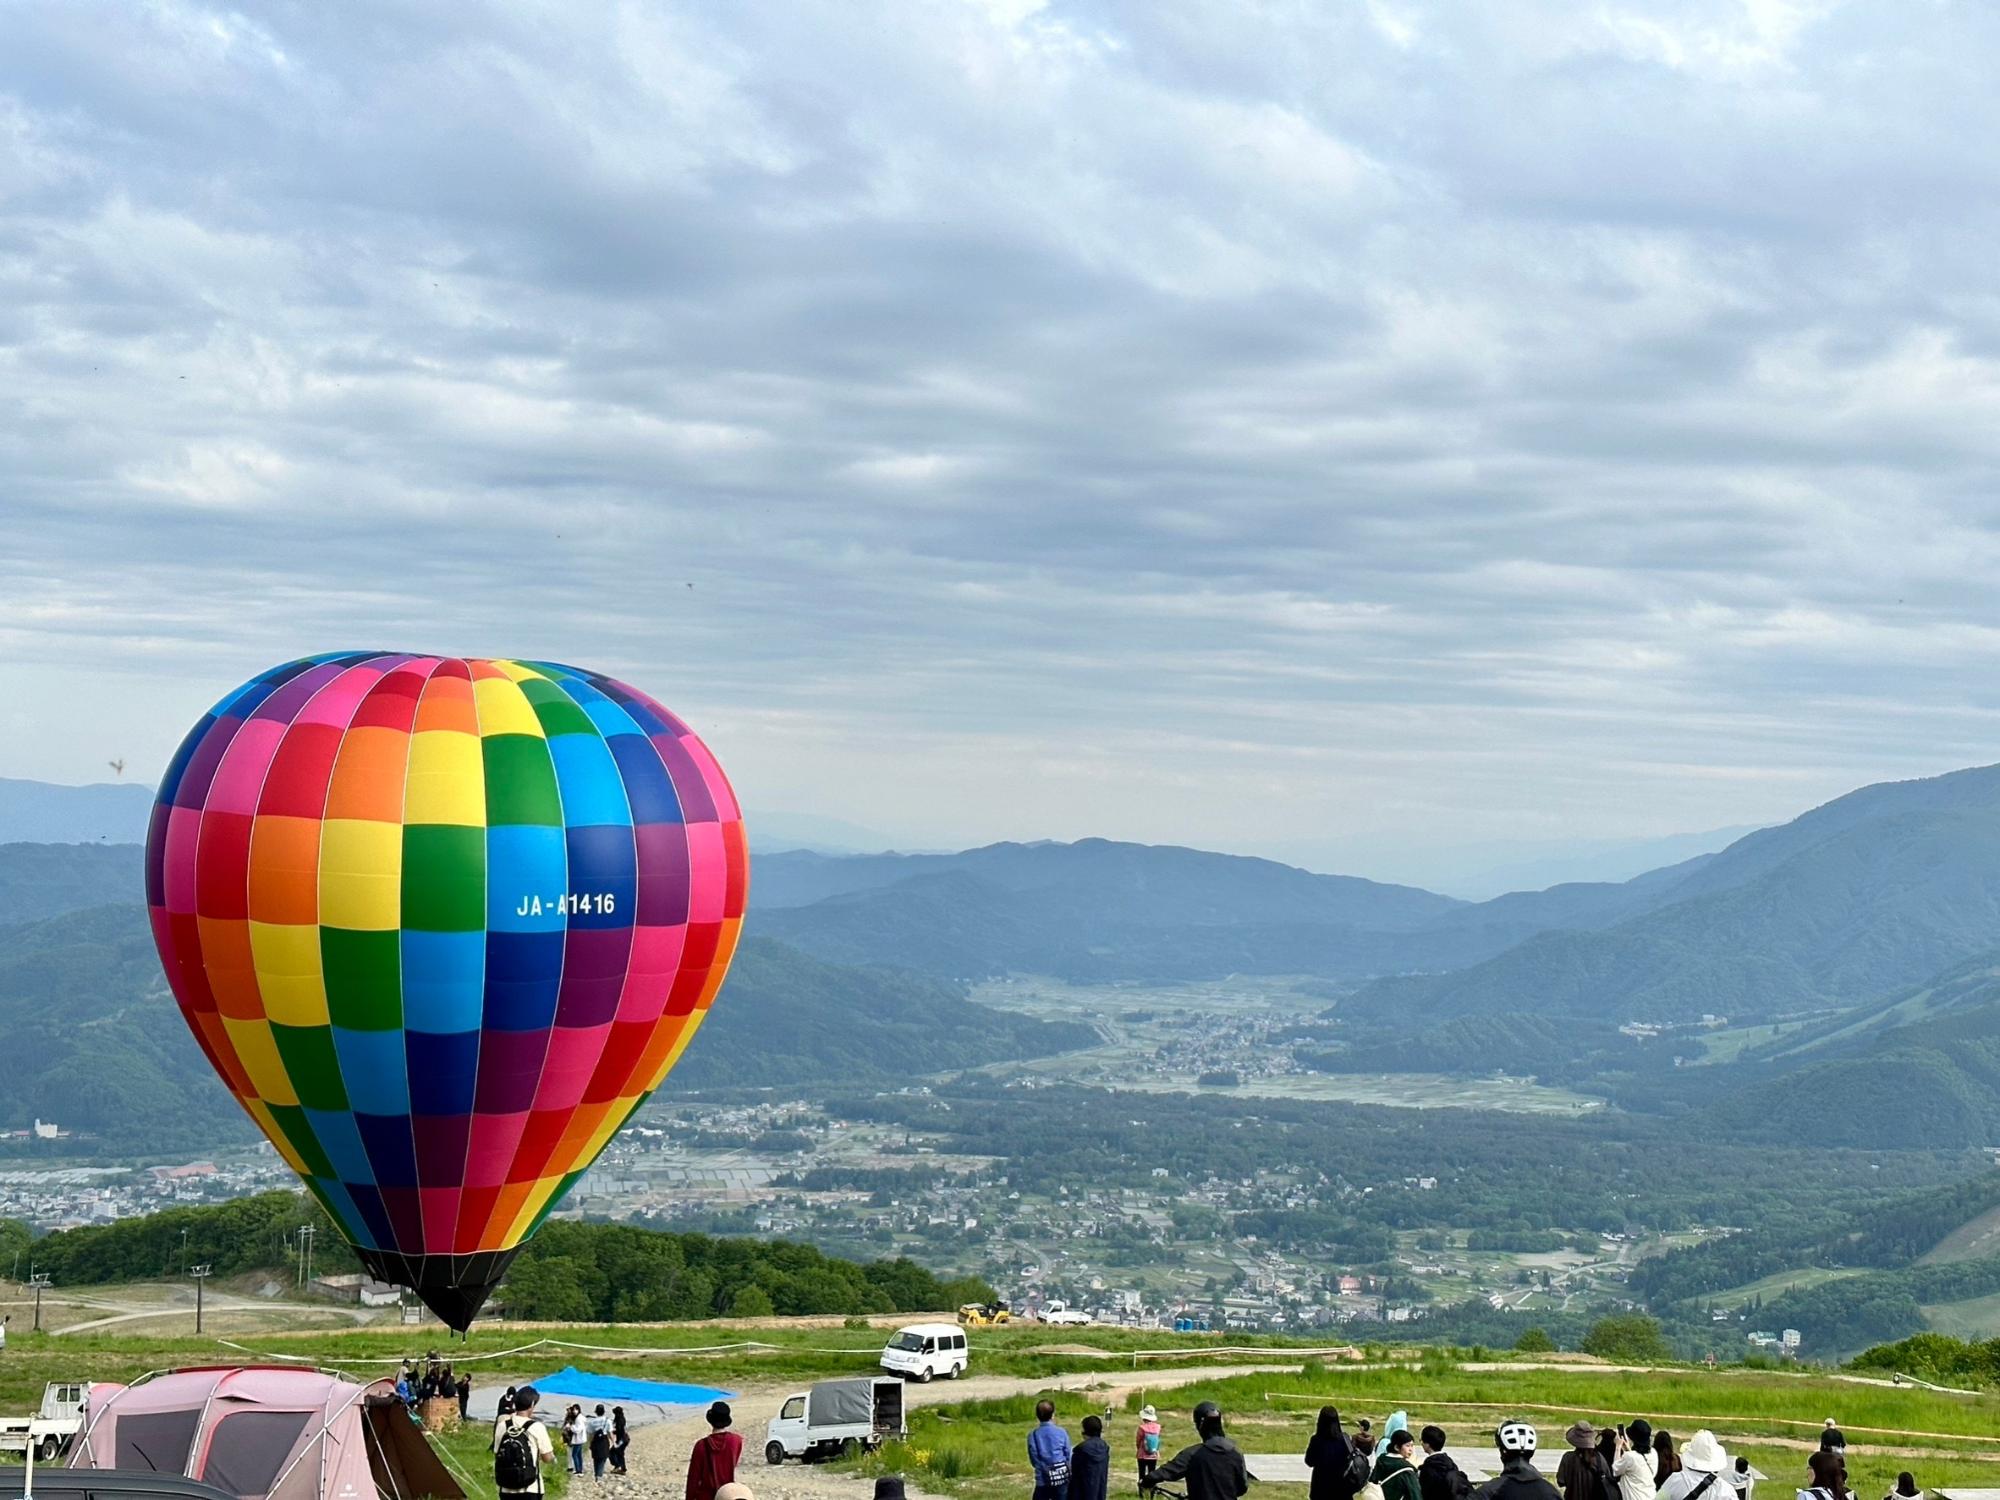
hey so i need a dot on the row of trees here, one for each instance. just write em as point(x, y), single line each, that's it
point(569, 1271)
point(620, 1273)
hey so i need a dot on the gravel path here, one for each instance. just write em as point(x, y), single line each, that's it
point(658, 1455)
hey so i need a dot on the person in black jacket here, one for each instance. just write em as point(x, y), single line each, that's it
point(1090, 1463)
point(1212, 1469)
point(1330, 1455)
point(1439, 1477)
point(1518, 1478)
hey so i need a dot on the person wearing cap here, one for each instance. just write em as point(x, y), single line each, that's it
point(1518, 1478)
point(518, 1415)
point(1704, 1472)
point(1147, 1441)
point(1393, 1470)
point(1632, 1468)
point(1212, 1469)
point(712, 1464)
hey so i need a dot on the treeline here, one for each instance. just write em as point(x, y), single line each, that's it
point(1936, 1357)
point(619, 1273)
point(1890, 1233)
point(246, 1234)
point(567, 1272)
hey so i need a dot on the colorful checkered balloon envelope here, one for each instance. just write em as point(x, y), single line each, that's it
point(442, 925)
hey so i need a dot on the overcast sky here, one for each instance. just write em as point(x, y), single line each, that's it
point(1363, 432)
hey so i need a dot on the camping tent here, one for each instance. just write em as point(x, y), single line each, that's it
point(277, 1432)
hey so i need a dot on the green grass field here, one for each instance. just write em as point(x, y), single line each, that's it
point(976, 1448)
point(1779, 1282)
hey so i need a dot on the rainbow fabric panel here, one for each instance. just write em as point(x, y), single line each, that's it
point(442, 924)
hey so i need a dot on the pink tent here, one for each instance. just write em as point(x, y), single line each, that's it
point(267, 1431)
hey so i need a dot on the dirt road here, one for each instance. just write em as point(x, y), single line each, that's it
point(658, 1458)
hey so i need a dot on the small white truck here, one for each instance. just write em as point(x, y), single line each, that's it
point(836, 1417)
point(49, 1431)
point(1063, 1314)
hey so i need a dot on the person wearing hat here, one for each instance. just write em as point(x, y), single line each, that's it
point(1148, 1442)
point(1583, 1474)
point(521, 1446)
point(1518, 1478)
point(1704, 1472)
point(712, 1464)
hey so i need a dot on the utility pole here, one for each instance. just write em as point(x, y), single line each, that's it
point(200, 1275)
point(305, 1254)
point(37, 1280)
point(184, 1252)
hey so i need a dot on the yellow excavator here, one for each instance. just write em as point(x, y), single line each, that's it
point(984, 1314)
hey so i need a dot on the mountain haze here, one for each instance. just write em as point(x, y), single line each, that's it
point(1872, 892)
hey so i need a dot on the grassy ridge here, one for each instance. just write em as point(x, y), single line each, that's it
point(976, 1447)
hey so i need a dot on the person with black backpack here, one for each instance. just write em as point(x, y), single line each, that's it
point(1330, 1457)
point(1439, 1477)
point(521, 1446)
point(1583, 1474)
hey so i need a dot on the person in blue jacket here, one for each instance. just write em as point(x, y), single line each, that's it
point(1049, 1452)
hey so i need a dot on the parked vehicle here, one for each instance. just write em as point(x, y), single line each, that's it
point(984, 1314)
point(1063, 1313)
point(836, 1417)
point(49, 1431)
point(924, 1351)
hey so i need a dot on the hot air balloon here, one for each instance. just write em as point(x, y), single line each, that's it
point(442, 924)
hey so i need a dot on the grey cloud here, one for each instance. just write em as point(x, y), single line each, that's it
point(1236, 424)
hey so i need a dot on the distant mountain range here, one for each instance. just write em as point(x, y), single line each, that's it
point(1869, 928)
point(41, 812)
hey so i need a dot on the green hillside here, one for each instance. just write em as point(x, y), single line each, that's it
point(45, 880)
point(1865, 896)
point(786, 1018)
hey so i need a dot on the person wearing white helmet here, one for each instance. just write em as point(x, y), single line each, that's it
point(1518, 1478)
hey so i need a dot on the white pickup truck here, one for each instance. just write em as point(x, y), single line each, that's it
point(49, 1431)
point(837, 1417)
point(1062, 1313)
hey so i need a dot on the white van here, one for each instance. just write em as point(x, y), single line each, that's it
point(924, 1351)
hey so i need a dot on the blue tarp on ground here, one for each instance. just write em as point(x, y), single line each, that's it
point(582, 1385)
